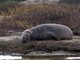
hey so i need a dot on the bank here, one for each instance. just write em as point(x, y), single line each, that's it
point(12, 45)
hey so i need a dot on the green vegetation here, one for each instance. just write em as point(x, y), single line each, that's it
point(10, 1)
point(70, 1)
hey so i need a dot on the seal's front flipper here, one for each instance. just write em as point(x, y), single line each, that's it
point(50, 35)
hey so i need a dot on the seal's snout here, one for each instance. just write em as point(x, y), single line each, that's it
point(23, 39)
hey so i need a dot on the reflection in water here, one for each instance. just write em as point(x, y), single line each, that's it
point(73, 58)
point(52, 58)
point(44, 58)
point(8, 57)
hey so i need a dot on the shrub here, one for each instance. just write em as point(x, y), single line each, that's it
point(35, 14)
point(10, 1)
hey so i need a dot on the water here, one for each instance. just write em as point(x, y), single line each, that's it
point(44, 58)
point(52, 58)
point(9, 57)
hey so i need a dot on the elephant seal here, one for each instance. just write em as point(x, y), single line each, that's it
point(47, 32)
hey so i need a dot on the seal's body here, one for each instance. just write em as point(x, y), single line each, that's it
point(47, 32)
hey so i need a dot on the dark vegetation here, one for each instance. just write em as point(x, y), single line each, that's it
point(10, 1)
point(70, 1)
point(19, 17)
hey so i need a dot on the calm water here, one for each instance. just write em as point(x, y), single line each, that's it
point(53, 58)
point(44, 58)
point(8, 57)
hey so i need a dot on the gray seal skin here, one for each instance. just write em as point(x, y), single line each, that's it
point(47, 32)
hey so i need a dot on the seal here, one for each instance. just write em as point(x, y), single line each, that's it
point(47, 32)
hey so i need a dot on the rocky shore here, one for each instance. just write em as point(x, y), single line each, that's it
point(12, 45)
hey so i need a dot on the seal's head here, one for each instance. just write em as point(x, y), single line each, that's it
point(25, 36)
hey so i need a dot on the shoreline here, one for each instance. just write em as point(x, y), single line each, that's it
point(13, 46)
